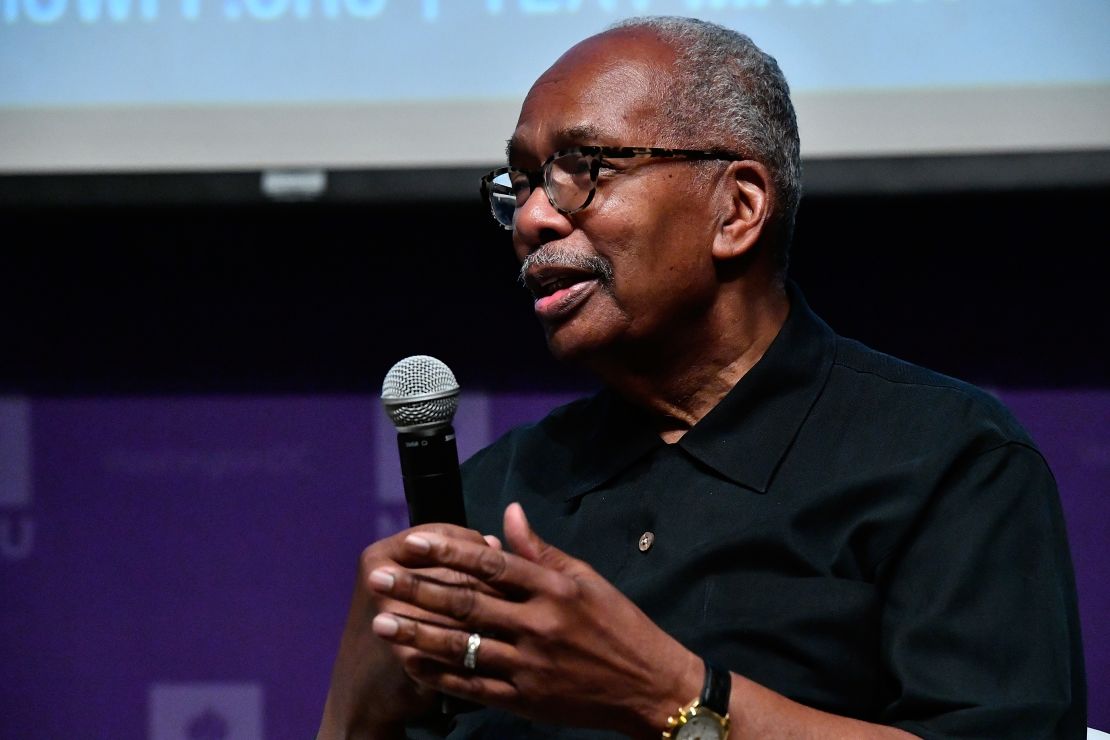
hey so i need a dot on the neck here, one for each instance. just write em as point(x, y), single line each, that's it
point(681, 379)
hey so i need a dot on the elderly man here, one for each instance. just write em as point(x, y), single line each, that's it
point(758, 529)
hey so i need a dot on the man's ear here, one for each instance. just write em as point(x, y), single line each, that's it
point(748, 197)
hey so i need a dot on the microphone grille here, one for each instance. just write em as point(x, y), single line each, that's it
point(420, 392)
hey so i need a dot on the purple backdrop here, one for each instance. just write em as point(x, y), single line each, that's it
point(180, 567)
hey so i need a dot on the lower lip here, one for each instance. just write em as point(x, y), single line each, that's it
point(562, 303)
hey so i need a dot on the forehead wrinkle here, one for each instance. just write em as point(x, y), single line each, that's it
point(605, 97)
point(579, 134)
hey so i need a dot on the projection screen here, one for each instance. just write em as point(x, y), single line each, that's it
point(110, 86)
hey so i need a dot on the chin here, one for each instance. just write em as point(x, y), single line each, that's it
point(588, 350)
point(568, 352)
point(570, 347)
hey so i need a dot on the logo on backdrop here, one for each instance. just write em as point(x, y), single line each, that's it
point(212, 464)
point(17, 525)
point(205, 711)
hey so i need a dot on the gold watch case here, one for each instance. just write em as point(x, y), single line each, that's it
point(695, 722)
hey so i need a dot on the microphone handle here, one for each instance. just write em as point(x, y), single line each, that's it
point(430, 470)
point(433, 490)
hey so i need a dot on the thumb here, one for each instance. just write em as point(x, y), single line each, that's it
point(528, 545)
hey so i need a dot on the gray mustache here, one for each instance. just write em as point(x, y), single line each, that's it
point(559, 257)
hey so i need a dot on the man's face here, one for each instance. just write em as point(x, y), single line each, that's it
point(632, 273)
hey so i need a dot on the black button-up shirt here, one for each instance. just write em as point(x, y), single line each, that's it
point(861, 535)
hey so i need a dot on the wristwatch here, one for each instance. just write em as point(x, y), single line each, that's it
point(705, 718)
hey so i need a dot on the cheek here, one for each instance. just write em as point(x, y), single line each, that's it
point(609, 215)
point(672, 275)
point(656, 237)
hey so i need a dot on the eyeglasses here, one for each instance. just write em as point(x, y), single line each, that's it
point(569, 177)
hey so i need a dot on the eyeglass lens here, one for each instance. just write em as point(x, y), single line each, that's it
point(502, 198)
point(569, 182)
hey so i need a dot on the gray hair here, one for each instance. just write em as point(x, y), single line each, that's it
point(728, 93)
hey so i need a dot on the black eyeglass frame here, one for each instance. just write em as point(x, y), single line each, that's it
point(595, 154)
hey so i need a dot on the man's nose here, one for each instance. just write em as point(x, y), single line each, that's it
point(538, 222)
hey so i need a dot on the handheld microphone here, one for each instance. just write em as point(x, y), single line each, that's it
point(420, 395)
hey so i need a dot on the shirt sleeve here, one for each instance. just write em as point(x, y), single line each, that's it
point(980, 635)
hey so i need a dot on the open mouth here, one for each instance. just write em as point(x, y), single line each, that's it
point(548, 281)
point(557, 281)
point(559, 290)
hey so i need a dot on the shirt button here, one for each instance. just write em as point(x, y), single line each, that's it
point(647, 539)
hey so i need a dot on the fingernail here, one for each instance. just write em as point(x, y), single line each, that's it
point(382, 580)
point(418, 543)
point(386, 625)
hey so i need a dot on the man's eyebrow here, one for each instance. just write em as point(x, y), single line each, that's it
point(582, 133)
point(576, 135)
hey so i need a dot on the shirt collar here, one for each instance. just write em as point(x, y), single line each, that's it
point(747, 434)
point(621, 434)
point(743, 438)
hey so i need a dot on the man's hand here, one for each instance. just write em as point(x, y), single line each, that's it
point(559, 643)
point(370, 695)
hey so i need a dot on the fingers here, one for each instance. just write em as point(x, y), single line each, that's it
point(519, 535)
point(452, 530)
point(489, 582)
point(434, 657)
point(449, 577)
point(446, 646)
point(526, 543)
point(425, 581)
point(460, 603)
point(509, 573)
point(384, 552)
point(471, 686)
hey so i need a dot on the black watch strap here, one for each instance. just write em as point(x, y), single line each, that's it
point(718, 686)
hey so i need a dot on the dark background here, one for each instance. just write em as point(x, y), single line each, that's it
point(1002, 286)
point(175, 542)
